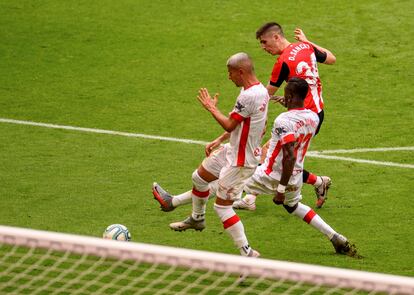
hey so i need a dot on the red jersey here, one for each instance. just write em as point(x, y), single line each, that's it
point(300, 60)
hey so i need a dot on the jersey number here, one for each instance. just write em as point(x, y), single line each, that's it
point(310, 71)
point(302, 141)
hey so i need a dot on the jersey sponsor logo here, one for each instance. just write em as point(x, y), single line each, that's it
point(239, 106)
point(280, 130)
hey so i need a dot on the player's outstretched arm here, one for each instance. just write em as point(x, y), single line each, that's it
point(288, 165)
point(288, 162)
point(300, 36)
point(275, 98)
point(271, 89)
point(210, 104)
point(278, 99)
point(211, 146)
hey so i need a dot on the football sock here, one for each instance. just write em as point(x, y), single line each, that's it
point(182, 199)
point(199, 195)
point(311, 178)
point(187, 197)
point(318, 181)
point(234, 227)
point(309, 216)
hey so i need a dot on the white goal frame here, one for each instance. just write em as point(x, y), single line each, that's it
point(203, 260)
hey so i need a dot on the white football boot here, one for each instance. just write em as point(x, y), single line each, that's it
point(322, 191)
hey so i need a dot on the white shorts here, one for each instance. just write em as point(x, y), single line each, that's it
point(232, 181)
point(216, 161)
point(260, 183)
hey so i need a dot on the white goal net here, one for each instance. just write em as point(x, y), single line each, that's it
point(39, 262)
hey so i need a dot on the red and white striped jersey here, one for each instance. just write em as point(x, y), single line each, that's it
point(245, 140)
point(295, 125)
point(300, 60)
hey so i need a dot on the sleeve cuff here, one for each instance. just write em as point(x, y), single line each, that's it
point(237, 117)
point(275, 84)
point(288, 138)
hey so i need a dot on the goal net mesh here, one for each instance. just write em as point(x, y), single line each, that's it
point(39, 262)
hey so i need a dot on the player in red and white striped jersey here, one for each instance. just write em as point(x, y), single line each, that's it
point(281, 173)
point(295, 60)
point(296, 125)
point(233, 164)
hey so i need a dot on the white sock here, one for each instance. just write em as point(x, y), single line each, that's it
point(309, 216)
point(199, 194)
point(234, 227)
point(187, 197)
point(182, 199)
point(199, 207)
point(318, 181)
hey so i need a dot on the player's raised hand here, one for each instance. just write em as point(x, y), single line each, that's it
point(206, 100)
point(300, 35)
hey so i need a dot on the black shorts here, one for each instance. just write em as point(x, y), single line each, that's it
point(321, 115)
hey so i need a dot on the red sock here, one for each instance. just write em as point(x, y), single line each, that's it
point(311, 178)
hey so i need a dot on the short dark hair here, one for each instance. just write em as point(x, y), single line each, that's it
point(272, 26)
point(299, 87)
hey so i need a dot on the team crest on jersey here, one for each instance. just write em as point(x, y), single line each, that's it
point(239, 106)
point(280, 130)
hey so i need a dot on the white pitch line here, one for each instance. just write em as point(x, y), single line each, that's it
point(318, 155)
point(364, 150)
point(315, 154)
point(101, 131)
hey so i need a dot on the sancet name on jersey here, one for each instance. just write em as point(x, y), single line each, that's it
point(296, 50)
point(306, 122)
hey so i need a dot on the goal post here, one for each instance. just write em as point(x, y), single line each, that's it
point(41, 262)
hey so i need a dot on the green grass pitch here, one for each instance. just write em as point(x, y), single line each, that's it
point(136, 66)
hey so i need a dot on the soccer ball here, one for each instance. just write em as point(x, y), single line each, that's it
point(117, 232)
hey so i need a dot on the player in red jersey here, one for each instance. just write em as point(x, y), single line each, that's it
point(295, 60)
